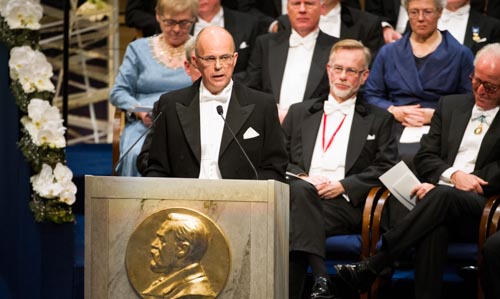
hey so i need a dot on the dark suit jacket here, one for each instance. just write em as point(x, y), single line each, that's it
point(355, 24)
point(367, 157)
point(493, 9)
point(175, 149)
point(266, 10)
point(140, 14)
point(489, 29)
point(440, 146)
point(388, 10)
point(267, 64)
point(243, 28)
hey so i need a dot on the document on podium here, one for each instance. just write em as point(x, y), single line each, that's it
point(400, 180)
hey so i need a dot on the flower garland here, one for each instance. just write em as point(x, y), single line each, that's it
point(42, 139)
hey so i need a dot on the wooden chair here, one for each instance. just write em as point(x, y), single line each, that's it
point(343, 249)
point(488, 225)
point(118, 125)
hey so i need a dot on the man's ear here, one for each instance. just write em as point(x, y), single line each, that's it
point(183, 250)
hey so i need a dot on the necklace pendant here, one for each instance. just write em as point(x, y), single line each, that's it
point(479, 129)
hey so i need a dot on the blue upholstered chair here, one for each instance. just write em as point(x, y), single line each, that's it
point(342, 249)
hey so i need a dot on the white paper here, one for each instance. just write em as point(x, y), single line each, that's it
point(413, 134)
point(400, 180)
point(142, 109)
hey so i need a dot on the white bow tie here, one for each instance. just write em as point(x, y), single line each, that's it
point(450, 15)
point(207, 97)
point(296, 40)
point(330, 107)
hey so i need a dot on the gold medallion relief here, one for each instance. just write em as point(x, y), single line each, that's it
point(178, 253)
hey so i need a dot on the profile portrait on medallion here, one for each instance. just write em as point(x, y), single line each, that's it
point(177, 253)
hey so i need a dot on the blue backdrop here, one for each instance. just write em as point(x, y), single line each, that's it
point(33, 258)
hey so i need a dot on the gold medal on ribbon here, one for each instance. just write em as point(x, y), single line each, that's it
point(479, 129)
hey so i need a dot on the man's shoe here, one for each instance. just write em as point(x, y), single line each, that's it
point(322, 289)
point(358, 276)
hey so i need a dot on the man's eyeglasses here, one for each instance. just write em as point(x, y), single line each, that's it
point(488, 87)
point(212, 60)
point(427, 13)
point(183, 24)
point(350, 72)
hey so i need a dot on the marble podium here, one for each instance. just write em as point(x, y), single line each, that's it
point(252, 216)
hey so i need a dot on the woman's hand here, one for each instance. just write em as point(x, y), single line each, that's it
point(412, 115)
point(145, 118)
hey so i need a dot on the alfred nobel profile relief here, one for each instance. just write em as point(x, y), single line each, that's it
point(178, 242)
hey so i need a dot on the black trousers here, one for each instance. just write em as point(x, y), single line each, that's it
point(490, 267)
point(312, 219)
point(445, 213)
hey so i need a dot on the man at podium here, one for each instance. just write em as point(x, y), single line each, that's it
point(217, 128)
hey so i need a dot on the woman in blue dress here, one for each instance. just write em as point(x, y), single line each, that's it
point(410, 75)
point(151, 66)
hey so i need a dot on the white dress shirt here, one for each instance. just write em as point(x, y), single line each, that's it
point(330, 162)
point(218, 20)
point(211, 128)
point(330, 23)
point(298, 63)
point(402, 20)
point(471, 142)
point(455, 22)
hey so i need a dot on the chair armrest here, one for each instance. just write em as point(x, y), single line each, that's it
point(118, 124)
point(495, 216)
point(366, 230)
point(490, 211)
point(377, 219)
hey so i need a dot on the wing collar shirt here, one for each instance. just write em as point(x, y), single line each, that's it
point(218, 20)
point(330, 160)
point(471, 142)
point(298, 63)
point(211, 128)
point(455, 22)
point(330, 23)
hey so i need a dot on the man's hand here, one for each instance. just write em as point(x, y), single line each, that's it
point(145, 118)
point(421, 190)
point(391, 35)
point(282, 112)
point(330, 190)
point(316, 180)
point(468, 182)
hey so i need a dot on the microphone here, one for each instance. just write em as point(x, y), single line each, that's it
point(137, 140)
point(220, 111)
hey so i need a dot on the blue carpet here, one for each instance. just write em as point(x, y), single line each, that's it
point(90, 159)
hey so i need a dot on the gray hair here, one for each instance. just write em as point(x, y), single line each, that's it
point(189, 47)
point(492, 49)
point(440, 4)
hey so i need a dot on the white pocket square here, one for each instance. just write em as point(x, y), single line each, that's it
point(250, 133)
point(243, 45)
point(370, 137)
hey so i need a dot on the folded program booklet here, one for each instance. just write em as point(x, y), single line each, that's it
point(400, 180)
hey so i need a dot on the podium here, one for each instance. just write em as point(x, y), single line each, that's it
point(248, 220)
